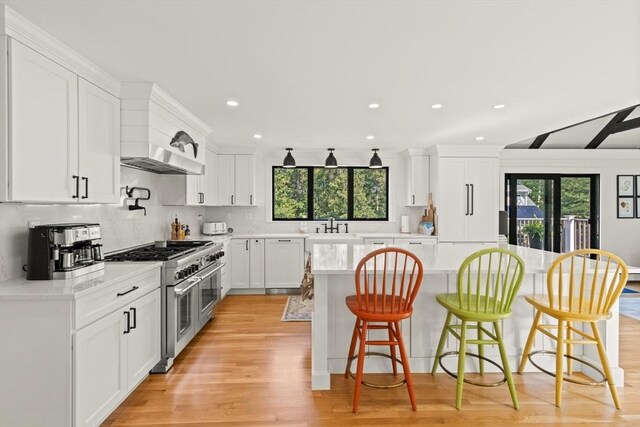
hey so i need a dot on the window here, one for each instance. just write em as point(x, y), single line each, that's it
point(316, 193)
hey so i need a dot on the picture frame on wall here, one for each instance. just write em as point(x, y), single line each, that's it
point(625, 207)
point(625, 185)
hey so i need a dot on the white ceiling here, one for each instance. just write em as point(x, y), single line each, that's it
point(304, 71)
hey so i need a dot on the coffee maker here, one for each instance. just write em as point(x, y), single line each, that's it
point(63, 251)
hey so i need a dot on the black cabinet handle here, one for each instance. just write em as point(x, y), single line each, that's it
point(203, 198)
point(119, 294)
point(251, 199)
point(246, 245)
point(472, 202)
point(126, 313)
point(135, 317)
point(86, 187)
point(232, 199)
point(467, 186)
point(413, 198)
point(77, 178)
point(283, 240)
point(415, 243)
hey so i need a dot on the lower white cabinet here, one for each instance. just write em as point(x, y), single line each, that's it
point(73, 361)
point(378, 242)
point(284, 262)
point(247, 263)
point(415, 241)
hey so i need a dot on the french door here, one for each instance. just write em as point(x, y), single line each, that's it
point(554, 212)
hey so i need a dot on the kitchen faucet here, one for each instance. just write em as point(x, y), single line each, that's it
point(331, 227)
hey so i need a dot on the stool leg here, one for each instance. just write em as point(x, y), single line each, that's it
point(443, 339)
point(356, 394)
point(559, 362)
point(392, 349)
point(530, 339)
point(605, 364)
point(352, 347)
point(405, 367)
point(461, 360)
point(480, 349)
point(569, 349)
point(505, 366)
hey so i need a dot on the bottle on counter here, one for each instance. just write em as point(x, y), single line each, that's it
point(187, 232)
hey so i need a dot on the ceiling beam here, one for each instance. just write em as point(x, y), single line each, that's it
point(609, 128)
point(539, 140)
point(627, 125)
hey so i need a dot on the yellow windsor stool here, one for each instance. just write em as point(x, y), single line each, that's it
point(587, 298)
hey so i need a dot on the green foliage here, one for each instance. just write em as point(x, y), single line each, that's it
point(574, 195)
point(534, 228)
point(330, 193)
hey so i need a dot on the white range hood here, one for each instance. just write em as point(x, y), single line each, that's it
point(150, 120)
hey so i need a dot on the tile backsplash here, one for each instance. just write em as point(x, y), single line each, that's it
point(121, 228)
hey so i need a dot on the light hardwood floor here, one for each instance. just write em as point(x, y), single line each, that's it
point(249, 368)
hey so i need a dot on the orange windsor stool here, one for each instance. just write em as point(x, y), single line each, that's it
point(592, 289)
point(384, 296)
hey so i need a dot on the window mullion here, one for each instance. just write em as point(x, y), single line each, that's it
point(310, 213)
point(350, 194)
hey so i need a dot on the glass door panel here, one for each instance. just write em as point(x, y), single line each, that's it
point(575, 213)
point(532, 213)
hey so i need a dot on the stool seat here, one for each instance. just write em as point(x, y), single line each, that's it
point(452, 303)
point(388, 308)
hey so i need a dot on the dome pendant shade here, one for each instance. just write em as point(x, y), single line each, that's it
point(376, 161)
point(289, 162)
point(331, 161)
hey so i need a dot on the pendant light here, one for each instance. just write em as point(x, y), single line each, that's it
point(375, 162)
point(289, 162)
point(331, 161)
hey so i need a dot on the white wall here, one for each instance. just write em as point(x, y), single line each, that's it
point(258, 219)
point(621, 236)
point(121, 228)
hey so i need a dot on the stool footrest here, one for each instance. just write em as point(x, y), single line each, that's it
point(566, 378)
point(468, 381)
point(373, 385)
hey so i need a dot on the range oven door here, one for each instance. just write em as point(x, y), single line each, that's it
point(209, 293)
point(181, 315)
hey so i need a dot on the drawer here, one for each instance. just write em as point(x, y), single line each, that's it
point(114, 296)
point(379, 242)
point(415, 241)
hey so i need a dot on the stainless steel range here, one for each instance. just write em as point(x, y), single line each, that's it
point(191, 289)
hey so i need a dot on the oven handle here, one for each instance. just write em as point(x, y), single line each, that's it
point(212, 272)
point(192, 282)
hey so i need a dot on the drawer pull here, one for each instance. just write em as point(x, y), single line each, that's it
point(284, 240)
point(129, 291)
point(415, 243)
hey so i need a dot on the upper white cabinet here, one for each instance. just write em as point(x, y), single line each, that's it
point(467, 202)
point(236, 180)
point(192, 190)
point(284, 263)
point(417, 179)
point(64, 133)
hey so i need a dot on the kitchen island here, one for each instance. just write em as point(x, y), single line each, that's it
point(333, 267)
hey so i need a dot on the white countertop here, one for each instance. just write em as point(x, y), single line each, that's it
point(436, 259)
point(329, 236)
point(270, 236)
point(73, 288)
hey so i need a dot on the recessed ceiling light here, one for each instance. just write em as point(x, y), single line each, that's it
point(232, 103)
point(374, 106)
point(370, 137)
point(257, 136)
point(479, 138)
point(436, 106)
point(498, 106)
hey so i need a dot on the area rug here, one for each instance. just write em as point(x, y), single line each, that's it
point(630, 307)
point(629, 291)
point(297, 310)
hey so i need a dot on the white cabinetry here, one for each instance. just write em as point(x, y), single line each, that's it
point(193, 190)
point(64, 135)
point(73, 361)
point(377, 242)
point(284, 263)
point(236, 180)
point(467, 199)
point(247, 263)
point(416, 241)
point(417, 180)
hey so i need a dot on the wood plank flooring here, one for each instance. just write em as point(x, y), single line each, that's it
point(249, 368)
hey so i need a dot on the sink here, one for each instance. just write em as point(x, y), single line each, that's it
point(334, 236)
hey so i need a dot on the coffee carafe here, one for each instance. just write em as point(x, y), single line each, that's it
point(63, 251)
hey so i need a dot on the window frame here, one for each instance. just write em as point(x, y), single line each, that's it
point(350, 194)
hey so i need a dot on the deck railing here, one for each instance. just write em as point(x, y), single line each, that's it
point(575, 233)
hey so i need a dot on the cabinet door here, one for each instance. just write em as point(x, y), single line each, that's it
point(244, 173)
point(192, 189)
point(239, 263)
point(143, 348)
point(284, 262)
point(43, 128)
point(99, 136)
point(452, 210)
point(482, 222)
point(418, 182)
point(100, 371)
point(226, 179)
point(209, 183)
point(256, 261)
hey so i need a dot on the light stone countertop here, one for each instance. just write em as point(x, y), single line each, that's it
point(20, 289)
point(329, 236)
